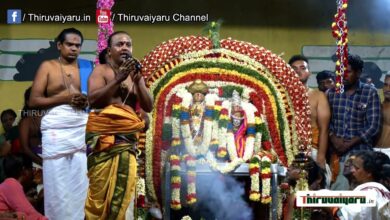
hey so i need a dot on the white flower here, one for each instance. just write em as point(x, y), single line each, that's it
point(175, 128)
point(249, 147)
point(186, 99)
point(255, 182)
point(222, 167)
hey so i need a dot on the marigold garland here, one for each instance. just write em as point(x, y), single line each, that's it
point(266, 179)
point(191, 179)
point(270, 117)
point(275, 64)
point(175, 182)
point(260, 168)
point(185, 130)
point(222, 123)
point(253, 55)
point(186, 97)
point(234, 163)
point(254, 172)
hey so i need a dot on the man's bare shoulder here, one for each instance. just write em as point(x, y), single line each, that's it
point(316, 94)
point(102, 69)
point(47, 67)
point(49, 63)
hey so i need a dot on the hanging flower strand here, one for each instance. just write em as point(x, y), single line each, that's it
point(105, 29)
point(340, 32)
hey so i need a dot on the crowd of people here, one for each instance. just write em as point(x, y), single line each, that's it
point(351, 134)
point(45, 153)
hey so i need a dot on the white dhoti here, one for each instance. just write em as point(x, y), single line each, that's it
point(64, 163)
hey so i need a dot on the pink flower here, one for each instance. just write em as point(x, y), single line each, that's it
point(105, 30)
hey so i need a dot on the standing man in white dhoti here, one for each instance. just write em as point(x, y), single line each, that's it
point(56, 88)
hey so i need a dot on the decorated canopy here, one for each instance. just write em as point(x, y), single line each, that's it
point(274, 103)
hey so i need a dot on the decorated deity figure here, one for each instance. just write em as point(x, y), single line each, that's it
point(192, 119)
point(237, 131)
point(192, 126)
point(198, 89)
point(238, 123)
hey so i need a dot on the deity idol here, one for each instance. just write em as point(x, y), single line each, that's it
point(198, 89)
point(239, 123)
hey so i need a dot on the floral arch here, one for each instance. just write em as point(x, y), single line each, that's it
point(263, 78)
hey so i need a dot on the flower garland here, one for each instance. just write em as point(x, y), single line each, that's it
point(258, 55)
point(191, 179)
point(271, 113)
point(228, 134)
point(175, 182)
point(140, 189)
point(223, 122)
point(151, 193)
point(185, 45)
point(105, 29)
point(141, 209)
point(303, 213)
point(263, 126)
point(254, 172)
point(251, 130)
point(260, 166)
point(285, 76)
point(286, 138)
point(200, 149)
point(234, 162)
point(175, 159)
point(340, 32)
point(223, 167)
point(181, 125)
point(176, 141)
point(259, 132)
point(266, 179)
point(214, 145)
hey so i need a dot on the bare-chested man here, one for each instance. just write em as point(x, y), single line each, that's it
point(30, 140)
point(383, 143)
point(113, 126)
point(30, 130)
point(319, 107)
point(56, 88)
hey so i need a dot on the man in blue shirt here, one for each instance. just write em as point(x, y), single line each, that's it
point(355, 116)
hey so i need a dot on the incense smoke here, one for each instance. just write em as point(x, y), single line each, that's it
point(222, 197)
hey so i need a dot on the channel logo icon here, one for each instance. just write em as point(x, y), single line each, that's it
point(14, 16)
point(103, 16)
